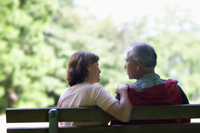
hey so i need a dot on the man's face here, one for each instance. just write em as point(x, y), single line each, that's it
point(130, 67)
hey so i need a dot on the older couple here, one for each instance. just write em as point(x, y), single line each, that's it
point(149, 89)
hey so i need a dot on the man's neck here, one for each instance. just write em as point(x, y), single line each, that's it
point(146, 71)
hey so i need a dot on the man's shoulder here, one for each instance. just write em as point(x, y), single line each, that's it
point(146, 83)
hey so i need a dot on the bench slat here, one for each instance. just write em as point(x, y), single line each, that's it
point(156, 128)
point(18, 115)
point(165, 112)
point(28, 130)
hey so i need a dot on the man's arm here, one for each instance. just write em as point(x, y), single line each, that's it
point(184, 97)
point(121, 109)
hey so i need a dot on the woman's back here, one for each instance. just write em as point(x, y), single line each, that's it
point(85, 94)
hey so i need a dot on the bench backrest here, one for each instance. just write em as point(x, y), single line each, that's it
point(90, 114)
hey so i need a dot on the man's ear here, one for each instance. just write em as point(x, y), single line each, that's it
point(138, 64)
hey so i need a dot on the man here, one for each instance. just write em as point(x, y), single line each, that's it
point(150, 89)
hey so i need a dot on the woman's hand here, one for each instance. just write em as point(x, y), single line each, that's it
point(121, 87)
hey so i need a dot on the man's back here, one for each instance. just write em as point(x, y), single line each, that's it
point(150, 89)
point(160, 92)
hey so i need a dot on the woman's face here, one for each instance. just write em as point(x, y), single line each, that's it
point(94, 73)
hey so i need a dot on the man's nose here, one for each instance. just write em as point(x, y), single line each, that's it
point(125, 66)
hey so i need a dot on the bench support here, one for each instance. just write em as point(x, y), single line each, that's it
point(53, 121)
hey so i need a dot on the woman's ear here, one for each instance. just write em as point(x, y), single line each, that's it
point(88, 68)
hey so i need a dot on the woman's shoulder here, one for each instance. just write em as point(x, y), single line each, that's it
point(97, 85)
point(88, 84)
point(92, 86)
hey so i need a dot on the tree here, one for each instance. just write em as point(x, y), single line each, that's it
point(176, 41)
point(76, 30)
point(38, 37)
point(23, 52)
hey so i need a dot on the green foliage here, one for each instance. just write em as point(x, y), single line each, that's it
point(37, 38)
point(24, 54)
point(89, 36)
point(177, 48)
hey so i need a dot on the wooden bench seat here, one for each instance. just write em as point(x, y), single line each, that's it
point(90, 114)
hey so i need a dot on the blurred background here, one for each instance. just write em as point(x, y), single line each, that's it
point(37, 37)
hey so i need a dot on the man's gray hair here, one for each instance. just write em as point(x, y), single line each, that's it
point(145, 53)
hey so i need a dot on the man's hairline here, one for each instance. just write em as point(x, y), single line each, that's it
point(129, 54)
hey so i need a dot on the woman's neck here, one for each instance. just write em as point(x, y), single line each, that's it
point(87, 80)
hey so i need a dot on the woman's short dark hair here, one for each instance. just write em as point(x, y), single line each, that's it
point(77, 66)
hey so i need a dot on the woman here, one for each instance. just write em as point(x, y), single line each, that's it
point(82, 72)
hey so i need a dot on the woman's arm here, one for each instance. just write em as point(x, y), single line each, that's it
point(121, 109)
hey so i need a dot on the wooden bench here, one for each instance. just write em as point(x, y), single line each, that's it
point(84, 114)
